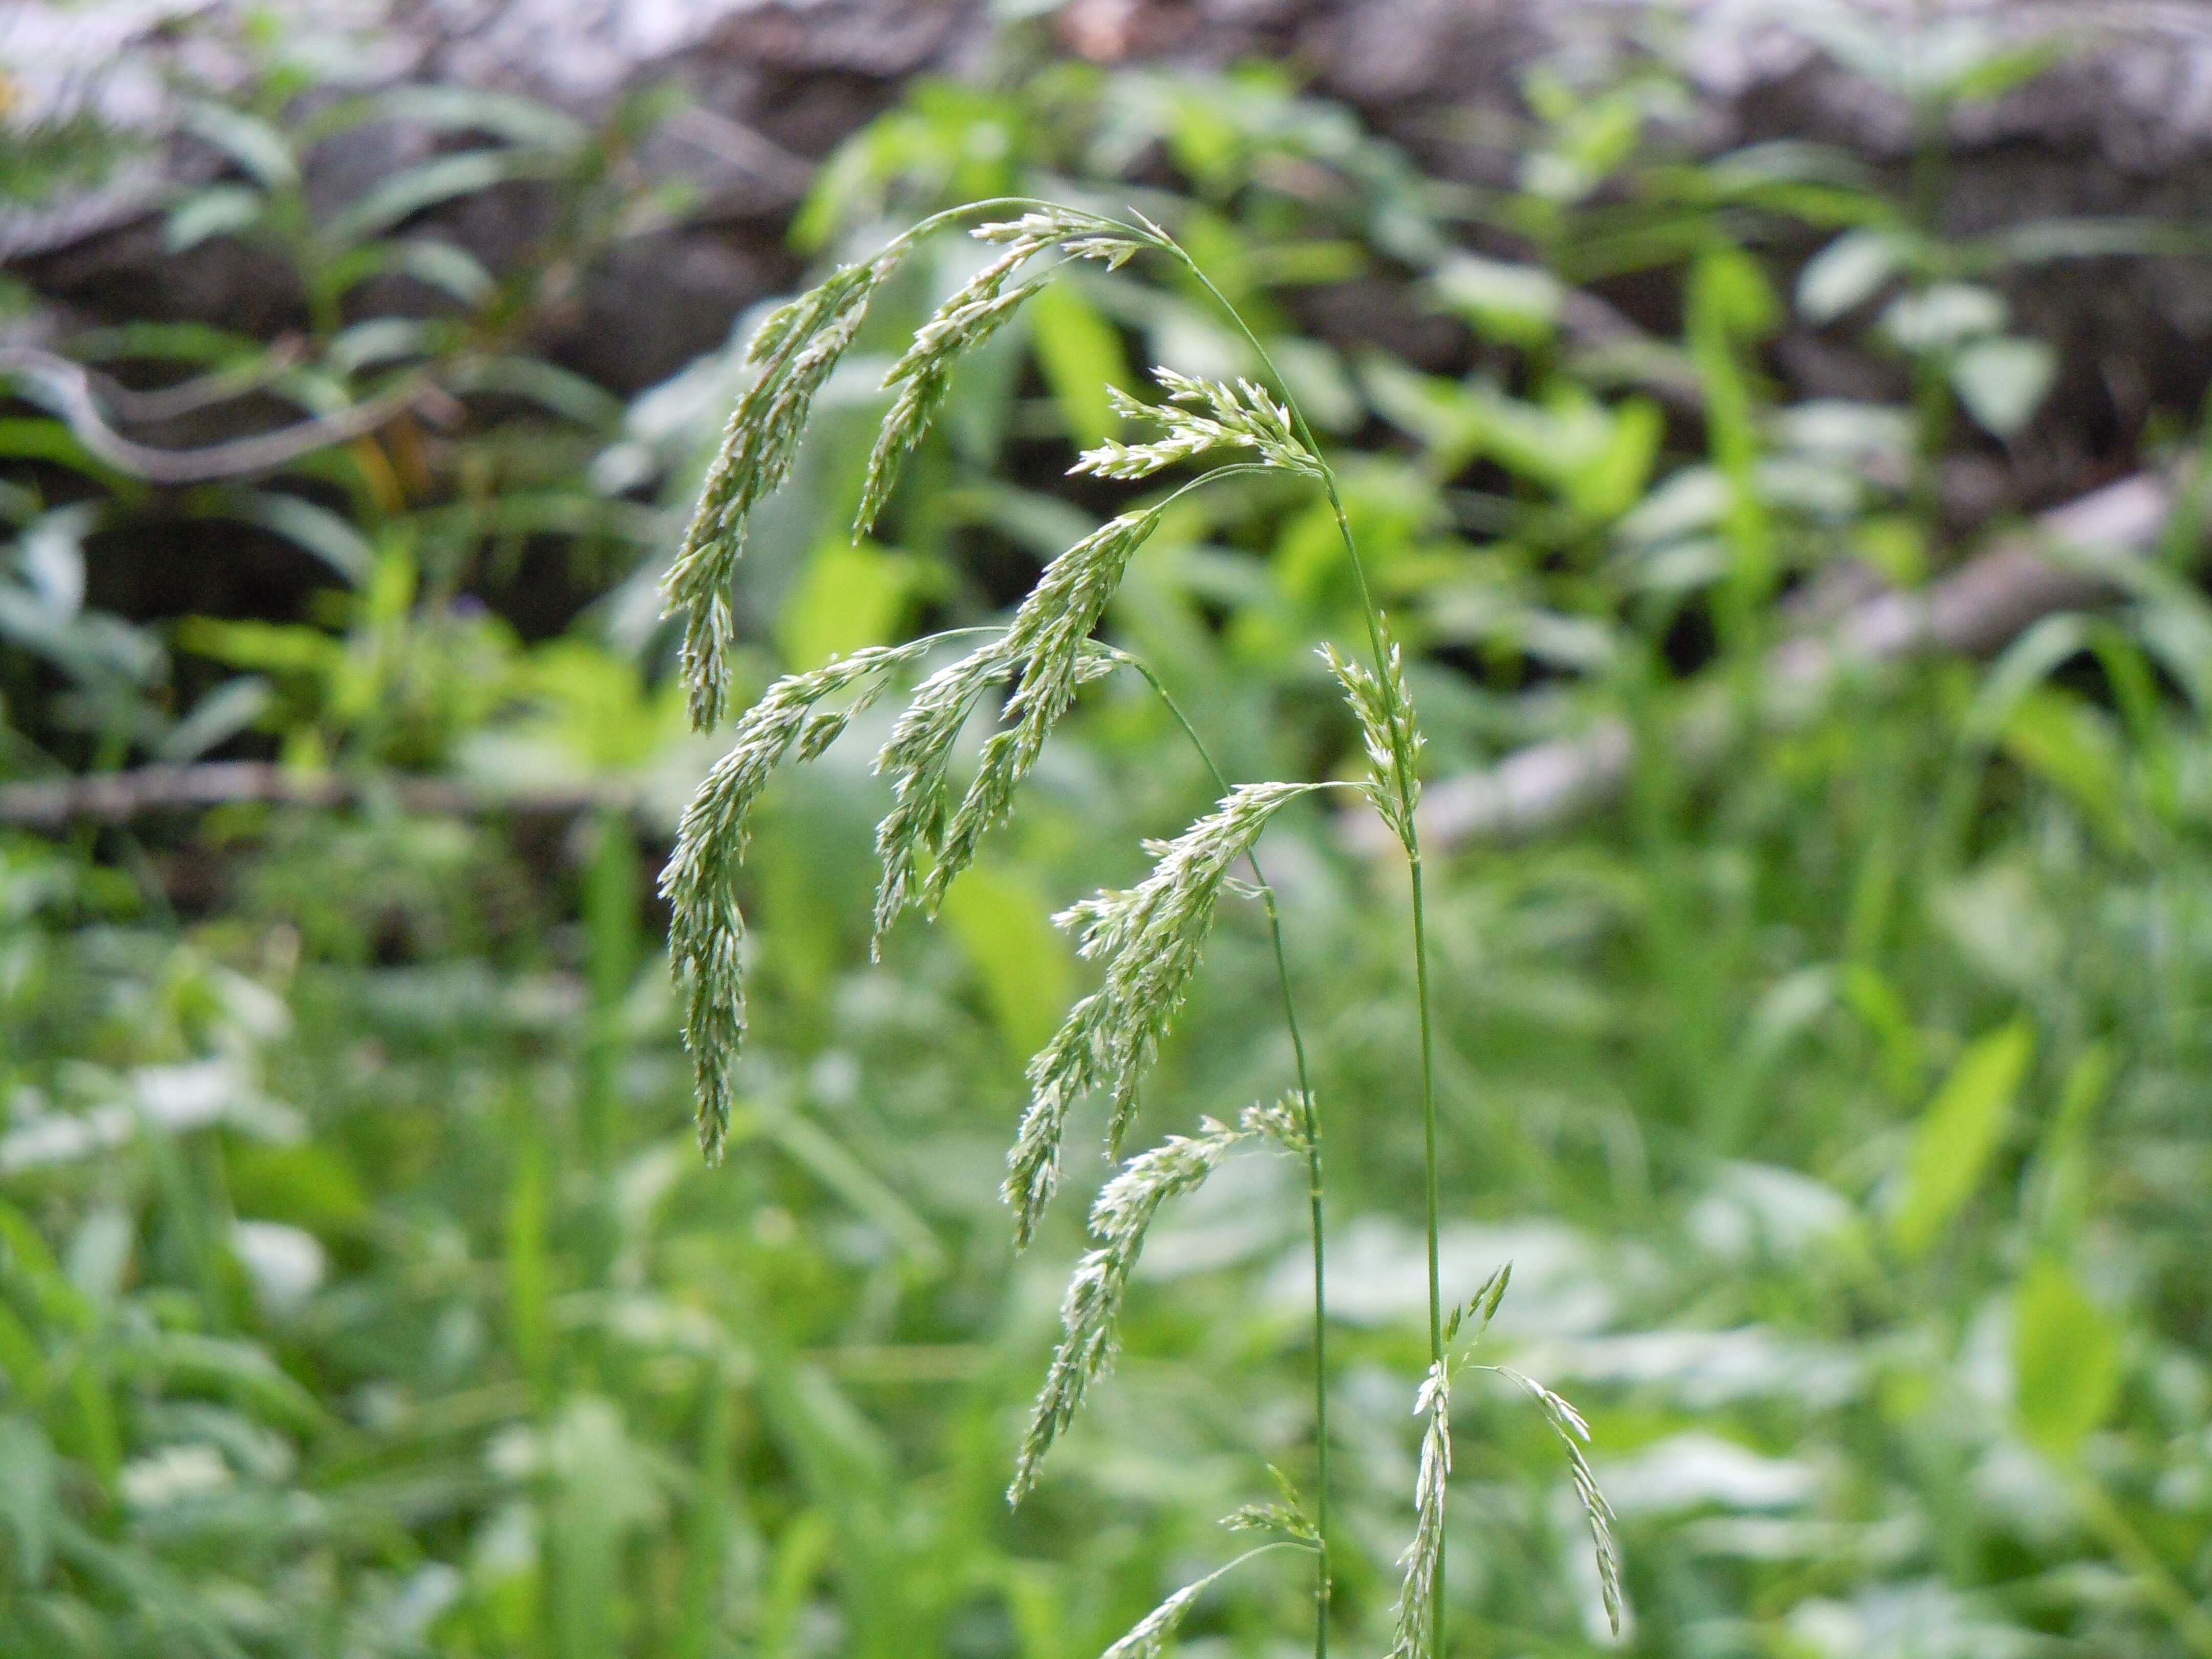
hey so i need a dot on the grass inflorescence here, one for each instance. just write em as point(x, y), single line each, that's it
point(1149, 939)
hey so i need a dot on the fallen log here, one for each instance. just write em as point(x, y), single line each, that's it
point(2050, 566)
point(53, 804)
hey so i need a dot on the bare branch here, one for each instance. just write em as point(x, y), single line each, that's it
point(67, 388)
point(51, 804)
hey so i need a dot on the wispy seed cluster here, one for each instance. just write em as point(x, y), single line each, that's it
point(1200, 418)
point(1090, 1311)
point(795, 349)
point(984, 304)
point(706, 932)
point(1574, 1434)
point(1385, 711)
point(1413, 1633)
point(1150, 937)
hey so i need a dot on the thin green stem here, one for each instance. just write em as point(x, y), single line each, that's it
point(2152, 1576)
point(1309, 1121)
point(1402, 763)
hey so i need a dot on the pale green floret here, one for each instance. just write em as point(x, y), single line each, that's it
point(706, 931)
point(920, 853)
point(918, 759)
point(1150, 938)
point(796, 349)
point(1385, 712)
point(1413, 1633)
point(1089, 1312)
point(1240, 417)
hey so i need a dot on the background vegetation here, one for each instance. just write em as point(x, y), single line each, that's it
point(1837, 1093)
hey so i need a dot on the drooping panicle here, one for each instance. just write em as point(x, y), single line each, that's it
point(1150, 938)
point(1384, 710)
point(1574, 1434)
point(1201, 417)
point(795, 350)
point(1050, 646)
point(706, 932)
point(983, 306)
point(1090, 1312)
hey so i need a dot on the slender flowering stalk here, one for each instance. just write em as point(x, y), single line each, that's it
point(1149, 939)
point(1574, 1434)
point(1151, 1633)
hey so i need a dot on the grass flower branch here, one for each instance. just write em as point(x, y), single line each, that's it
point(1148, 940)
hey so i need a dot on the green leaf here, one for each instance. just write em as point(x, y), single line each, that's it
point(327, 535)
point(2003, 381)
point(1847, 273)
point(1001, 919)
point(519, 120)
point(1516, 304)
point(2075, 748)
point(220, 210)
point(30, 1495)
point(854, 594)
point(261, 152)
point(1958, 1134)
point(406, 194)
point(2065, 1358)
point(1080, 356)
point(451, 269)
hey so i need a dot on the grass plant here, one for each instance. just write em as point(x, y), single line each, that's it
point(1150, 937)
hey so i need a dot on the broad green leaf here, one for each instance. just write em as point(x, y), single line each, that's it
point(2002, 381)
point(1515, 303)
point(2076, 749)
point(999, 917)
point(471, 109)
point(1944, 317)
point(260, 151)
point(561, 391)
point(2065, 1359)
point(1728, 292)
point(219, 211)
point(1847, 273)
point(216, 718)
point(1080, 354)
point(451, 269)
point(406, 194)
point(1958, 1134)
point(854, 594)
point(327, 535)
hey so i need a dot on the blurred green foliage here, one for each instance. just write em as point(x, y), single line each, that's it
point(1839, 1100)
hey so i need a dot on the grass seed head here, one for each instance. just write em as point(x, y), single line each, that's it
point(795, 349)
point(1200, 418)
point(1414, 1632)
point(1090, 1311)
point(1384, 710)
point(706, 932)
point(1150, 938)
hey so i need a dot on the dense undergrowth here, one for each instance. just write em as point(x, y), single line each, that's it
point(1836, 1094)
